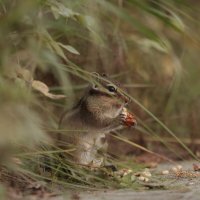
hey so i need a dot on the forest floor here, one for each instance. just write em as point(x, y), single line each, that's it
point(184, 184)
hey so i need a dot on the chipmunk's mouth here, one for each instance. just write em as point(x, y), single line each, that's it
point(119, 106)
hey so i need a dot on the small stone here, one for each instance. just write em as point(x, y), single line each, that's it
point(146, 174)
point(165, 172)
point(152, 164)
point(146, 179)
point(174, 169)
point(125, 174)
point(129, 171)
point(179, 167)
point(141, 178)
point(190, 183)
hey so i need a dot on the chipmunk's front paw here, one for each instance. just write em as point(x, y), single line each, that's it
point(127, 119)
point(123, 116)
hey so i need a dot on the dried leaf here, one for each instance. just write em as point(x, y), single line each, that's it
point(40, 86)
point(44, 89)
point(55, 96)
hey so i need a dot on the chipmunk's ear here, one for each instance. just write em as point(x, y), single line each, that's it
point(95, 78)
point(95, 86)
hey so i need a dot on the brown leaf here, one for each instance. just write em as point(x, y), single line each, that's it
point(55, 96)
point(40, 86)
point(44, 89)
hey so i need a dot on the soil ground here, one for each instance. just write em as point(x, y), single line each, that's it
point(184, 188)
point(167, 187)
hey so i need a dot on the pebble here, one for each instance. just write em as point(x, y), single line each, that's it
point(125, 174)
point(190, 183)
point(142, 178)
point(165, 172)
point(174, 169)
point(146, 174)
point(179, 167)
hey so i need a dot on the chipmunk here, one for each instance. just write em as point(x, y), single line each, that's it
point(100, 111)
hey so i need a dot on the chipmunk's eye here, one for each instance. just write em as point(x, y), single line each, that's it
point(95, 86)
point(111, 88)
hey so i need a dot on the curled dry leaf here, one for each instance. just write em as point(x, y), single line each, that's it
point(44, 89)
point(40, 86)
point(55, 96)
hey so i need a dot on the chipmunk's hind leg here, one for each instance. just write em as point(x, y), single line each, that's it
point(85, 153)
point(91, 152)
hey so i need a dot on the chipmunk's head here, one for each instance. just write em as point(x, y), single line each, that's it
point(106, 98)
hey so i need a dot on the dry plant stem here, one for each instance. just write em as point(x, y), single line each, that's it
point(184, 140)
point(165, 127)
point(143, 148)
point(151, 133)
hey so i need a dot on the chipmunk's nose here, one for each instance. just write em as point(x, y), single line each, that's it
point(124, 98)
